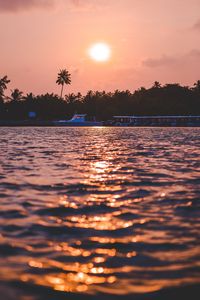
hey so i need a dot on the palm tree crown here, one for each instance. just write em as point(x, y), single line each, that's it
point(64, 77)
point(16, 95)
point(3, 85)
point(156, 85)
point(197, 86)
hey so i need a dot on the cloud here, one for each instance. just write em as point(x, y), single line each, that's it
point(77, 2)
point(18, 5)
point(79, 5)
point(83, 2)
point(196, 26)
point(74, 5)
point(158, 62)
point(87, 5)
point(167, 61)
point(195, 53)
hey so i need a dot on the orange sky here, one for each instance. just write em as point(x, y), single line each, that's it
point(150, 40)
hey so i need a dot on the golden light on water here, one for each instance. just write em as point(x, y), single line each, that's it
point(117, 222)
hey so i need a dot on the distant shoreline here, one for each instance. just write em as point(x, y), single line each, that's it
point(104, 124)
point(81, 120)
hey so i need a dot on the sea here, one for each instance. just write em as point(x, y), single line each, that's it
point(99, 213)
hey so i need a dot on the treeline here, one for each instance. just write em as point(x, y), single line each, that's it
point(169, 99)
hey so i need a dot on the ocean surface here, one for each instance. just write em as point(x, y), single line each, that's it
point(99, 213)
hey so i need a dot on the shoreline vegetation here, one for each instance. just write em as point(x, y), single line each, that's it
point(159, 100)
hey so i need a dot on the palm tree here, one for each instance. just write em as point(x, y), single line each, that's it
point(3, 85)
point(64, 77)
point(16, 95)
point(156, 85)
point(197, 86)
point(70, 98)
point(29, 97)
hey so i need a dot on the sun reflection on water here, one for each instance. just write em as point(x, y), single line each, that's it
point(117, 218)
point(84, 277)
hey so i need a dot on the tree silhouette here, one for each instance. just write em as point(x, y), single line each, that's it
point(197, 86)
point(16, 95)
point(64, 77)
point(71, 98)
point(156, 85)
point(169, 99)
point(3, 85)
point(29, 97)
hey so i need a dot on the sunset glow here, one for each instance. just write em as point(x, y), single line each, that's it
point(99, 160)
point(136, 42)
point(100, 52)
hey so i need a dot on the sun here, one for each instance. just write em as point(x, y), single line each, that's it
point(100, 52)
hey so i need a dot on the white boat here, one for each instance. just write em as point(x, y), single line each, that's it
point(78, 120)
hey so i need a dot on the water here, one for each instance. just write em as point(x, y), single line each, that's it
point(103, 212)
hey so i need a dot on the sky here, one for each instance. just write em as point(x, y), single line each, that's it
point(150, 40)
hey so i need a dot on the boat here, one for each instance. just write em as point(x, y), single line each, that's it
point(78, 120)
point(168, 121)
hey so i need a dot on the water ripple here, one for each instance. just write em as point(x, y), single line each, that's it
point(102, 212)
